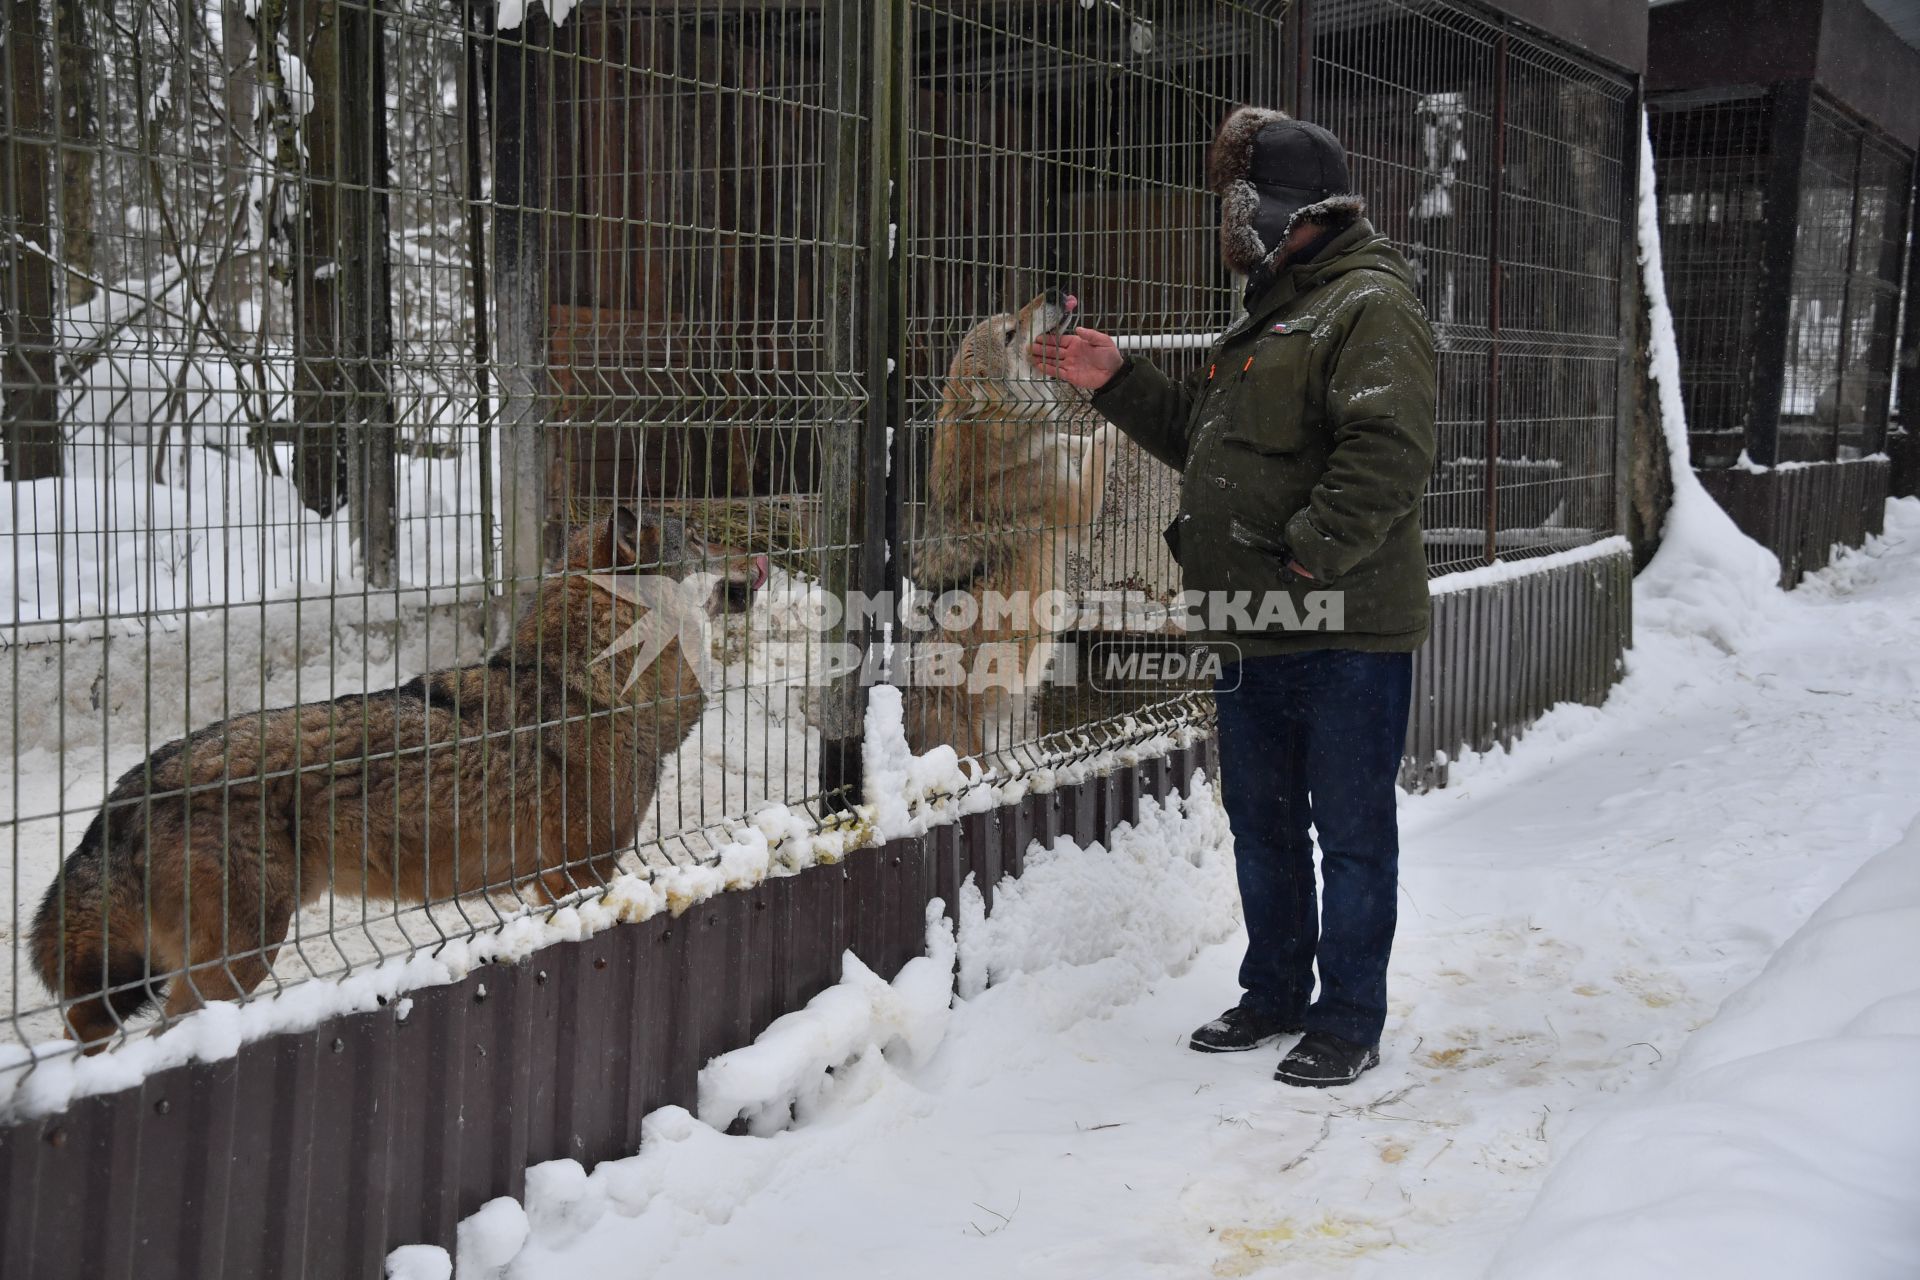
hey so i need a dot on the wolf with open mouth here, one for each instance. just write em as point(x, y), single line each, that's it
point(1010, 491)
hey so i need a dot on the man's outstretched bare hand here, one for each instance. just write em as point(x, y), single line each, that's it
point(1086, 357)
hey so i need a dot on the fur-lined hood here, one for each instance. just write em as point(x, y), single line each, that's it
point(1229, 163)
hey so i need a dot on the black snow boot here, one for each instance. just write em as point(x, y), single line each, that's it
point(1321, 1060)
point(1243, 1027)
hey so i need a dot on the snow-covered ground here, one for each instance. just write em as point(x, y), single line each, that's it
point(1783, 1142)
point(1572, 913)
point(91, 551)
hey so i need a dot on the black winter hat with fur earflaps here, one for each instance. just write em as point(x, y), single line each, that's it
point(1266, 167)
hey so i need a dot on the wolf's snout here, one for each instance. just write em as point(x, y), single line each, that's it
point(734, 593)
point(1070, 319)
point(1059, 311)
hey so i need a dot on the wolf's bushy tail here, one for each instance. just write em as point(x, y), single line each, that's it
point(89, 941)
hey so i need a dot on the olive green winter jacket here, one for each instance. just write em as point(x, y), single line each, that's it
point(1308, 436)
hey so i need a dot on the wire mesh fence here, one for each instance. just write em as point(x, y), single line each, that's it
point(1711, 160)
point(373, 372)
point(1079, 134)
point(1501, 165)
point(1845, 296)
point(1730, 163)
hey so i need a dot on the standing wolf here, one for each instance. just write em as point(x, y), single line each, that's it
point(534, 767)
point(1007, 491)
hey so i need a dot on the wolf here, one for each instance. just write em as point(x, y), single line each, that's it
point(1009, 491)
point(535, 767)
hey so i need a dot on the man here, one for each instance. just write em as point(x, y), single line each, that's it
point(1304, 443)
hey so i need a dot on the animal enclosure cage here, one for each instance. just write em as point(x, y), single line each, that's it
point(317, 356)
point(329, 323)
point(1721, 181)
point(1784, 164)
point(1504, 165)
point(1710, 163)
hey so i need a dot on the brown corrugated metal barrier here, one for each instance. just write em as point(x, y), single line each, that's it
point(1500, 655)
point(1802, 513)
point(314, 1154)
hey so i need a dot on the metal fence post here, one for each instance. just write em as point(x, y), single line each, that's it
point(1297, 39)
point(1786, 153)
point(1496, 193)
point(1842, 355)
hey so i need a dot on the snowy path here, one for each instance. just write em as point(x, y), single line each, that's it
point(1569, 915)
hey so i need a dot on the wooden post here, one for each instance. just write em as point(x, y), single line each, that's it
point(844, 52)
point(520, 104)
point(1787, 145)
point(345, 444)
point(77, 122)
point(374, 519)
point(329, 262)
point(859, 510)
point(29, 400)
point(470, 114)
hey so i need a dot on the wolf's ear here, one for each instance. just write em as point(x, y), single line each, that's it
point(623, 528)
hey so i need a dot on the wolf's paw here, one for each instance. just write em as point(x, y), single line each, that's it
point(1101, 444)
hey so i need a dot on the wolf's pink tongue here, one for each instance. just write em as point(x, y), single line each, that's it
point(1071, 302)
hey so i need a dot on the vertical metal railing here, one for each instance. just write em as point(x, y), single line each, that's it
point(1496, 202)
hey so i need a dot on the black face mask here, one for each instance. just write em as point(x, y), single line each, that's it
point(1271, 220)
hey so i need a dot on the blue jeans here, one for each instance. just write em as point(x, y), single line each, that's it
point(1316, 738)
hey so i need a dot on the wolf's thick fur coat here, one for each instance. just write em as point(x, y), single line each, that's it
point(1009, 490)
point(536, 766)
